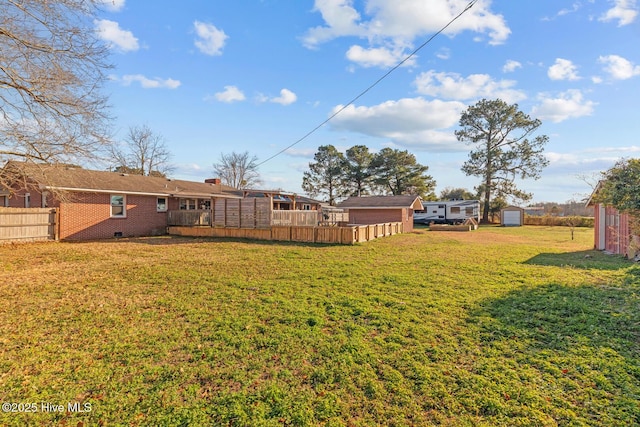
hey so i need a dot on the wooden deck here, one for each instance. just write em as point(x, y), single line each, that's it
point(346, 235)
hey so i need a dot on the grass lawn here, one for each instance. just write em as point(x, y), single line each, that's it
point(501, 326)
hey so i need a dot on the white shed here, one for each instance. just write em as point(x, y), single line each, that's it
point(512, 216)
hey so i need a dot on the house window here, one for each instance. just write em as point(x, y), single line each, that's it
point(27, 200)
point(306, 207)
point(162, 204)
point(455, 209)
point(469, 211)
point(5, 201)
point(45, 194)
point(187, 204)
point(118, 207)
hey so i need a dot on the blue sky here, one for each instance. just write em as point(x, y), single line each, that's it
point(219, 76)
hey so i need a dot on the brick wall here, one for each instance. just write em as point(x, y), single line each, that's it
point(377, 216)
point(88, 216)
point(617, 231)
point(17, 199)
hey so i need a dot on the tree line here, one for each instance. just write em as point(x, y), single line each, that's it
point(358, 172)
point(504, 149)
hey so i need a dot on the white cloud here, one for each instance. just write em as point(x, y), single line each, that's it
point(574, 8)
point(341, 19)
point(190, 171)
point(286, 97)
point(377, 56)
point(631, 148)
point(454, 86)
point(230, 94)
point(394, 25)
point(112, 5)
point(210, 40)
point(443, 53)
point(411, 122)
point(618, 67)
point(563, 69)
point(111, 32)
point(511, 65)
point(147, 83)
point(569, 104)
point(624, 11)
point(580, 162)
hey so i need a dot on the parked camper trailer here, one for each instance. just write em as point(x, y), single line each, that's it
point(449, 212)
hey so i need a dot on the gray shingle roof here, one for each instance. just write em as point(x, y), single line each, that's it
point(379, 202)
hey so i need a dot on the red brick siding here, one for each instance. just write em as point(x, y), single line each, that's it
point(88, 216)
point(598, 226)
point(616, 228)
point(377, 216)
point(617, 231)
point(18, 197)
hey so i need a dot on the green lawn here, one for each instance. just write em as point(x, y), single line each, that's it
point(501, 326)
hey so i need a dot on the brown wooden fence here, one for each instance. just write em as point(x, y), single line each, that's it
point(28, 224)
point(251, 212)
point(295, 218)
point(347, 235)
point(189, 218)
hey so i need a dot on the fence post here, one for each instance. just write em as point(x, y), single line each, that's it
point(255, 213)
point(56, 226)
point(212, 214)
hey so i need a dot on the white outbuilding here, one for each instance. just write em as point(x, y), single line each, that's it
point(512, 216)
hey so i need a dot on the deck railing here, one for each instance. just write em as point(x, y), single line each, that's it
point(295, 218)
point(189, 218)
point(246, 213)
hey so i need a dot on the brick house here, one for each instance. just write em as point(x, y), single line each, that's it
point(381, 209)
point(99, 205)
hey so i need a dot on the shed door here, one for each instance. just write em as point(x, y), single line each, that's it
point(511, 218)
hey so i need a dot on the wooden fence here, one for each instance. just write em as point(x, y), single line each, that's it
point(346, 235)
point(251, 212)
point(28, 224)
point(189, 218)
point(295, 218)
point(334, 217)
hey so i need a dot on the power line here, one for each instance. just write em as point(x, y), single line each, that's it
point(361, 94)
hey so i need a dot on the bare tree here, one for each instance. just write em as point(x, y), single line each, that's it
point(143, 152)
point(238, 170)
point(52, 67)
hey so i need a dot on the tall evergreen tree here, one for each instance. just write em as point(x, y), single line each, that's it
point(326, 175)
point(504, 151)
point(397, 172)
point(358, 179)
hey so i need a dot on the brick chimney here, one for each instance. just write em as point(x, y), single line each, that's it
point(213, 181)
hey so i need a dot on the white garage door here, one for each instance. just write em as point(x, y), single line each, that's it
point(511, 218)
